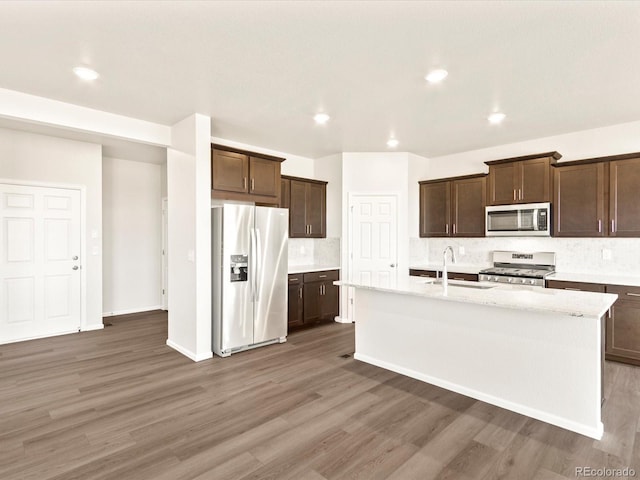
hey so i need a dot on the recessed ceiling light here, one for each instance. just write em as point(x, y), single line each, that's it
point(436, 76)
point(85, 73)
point(496, 118)
point(392, 143)
point(321, 118)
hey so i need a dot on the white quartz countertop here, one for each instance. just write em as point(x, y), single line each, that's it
point(452, 267)
point(606, 279)
point(569, 302)
point(293, 269)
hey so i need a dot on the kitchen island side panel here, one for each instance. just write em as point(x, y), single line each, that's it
point(543, 365)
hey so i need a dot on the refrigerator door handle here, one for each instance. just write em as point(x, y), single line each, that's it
point(252, 268)
point(258, 261)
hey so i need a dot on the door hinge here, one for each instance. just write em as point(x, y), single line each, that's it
point(351, 301)
point(163, 291)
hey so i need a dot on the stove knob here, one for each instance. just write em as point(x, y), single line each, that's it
point(532, 282)
point(509, 280)
point(522, 280)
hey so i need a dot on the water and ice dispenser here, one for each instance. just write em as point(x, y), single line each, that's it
point(239, 268)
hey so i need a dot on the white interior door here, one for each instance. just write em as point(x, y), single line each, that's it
point(374, 245)
point(40, 279)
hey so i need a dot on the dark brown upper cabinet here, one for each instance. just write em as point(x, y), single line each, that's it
point(579, 202)
point(597, 197)
point(307, 207)
point(285, 192)
point(453, 207)
point(248, 176)
point(624, 203)
point(526, 179)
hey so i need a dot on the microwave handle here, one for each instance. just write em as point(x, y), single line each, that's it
point(536, 212)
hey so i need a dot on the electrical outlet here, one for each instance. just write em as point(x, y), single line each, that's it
point(606, 254)
point(461, 250)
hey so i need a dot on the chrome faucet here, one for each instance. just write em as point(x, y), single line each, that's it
point(448, 248)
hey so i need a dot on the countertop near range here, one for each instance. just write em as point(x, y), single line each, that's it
point(577, 304)
point(605, 279)
point(293, 269)
point(452, 267)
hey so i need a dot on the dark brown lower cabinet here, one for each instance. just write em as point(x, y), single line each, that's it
point(623, 325)
point(622, 335)
point(295, 301)
point(313, 298)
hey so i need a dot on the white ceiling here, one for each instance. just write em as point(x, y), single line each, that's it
point(262, 69)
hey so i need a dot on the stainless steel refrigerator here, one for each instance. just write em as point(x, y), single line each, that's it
point(250, 261)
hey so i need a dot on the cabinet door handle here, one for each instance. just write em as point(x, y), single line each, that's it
point(613, 226)
point(310, 229)
point(633, 294)
point(520, 193)
point(574, 289)
point(514, 194)
point(253, 184)
point(454, 228)
point(446, 229)
point(244, 183)
point(300, 292)
point(322, 276)
point(599, 226)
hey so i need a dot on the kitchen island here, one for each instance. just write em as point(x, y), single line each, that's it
point(534, 351)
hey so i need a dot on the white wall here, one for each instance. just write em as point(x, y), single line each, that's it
point(38, 158)
point(189, 236)
point(597, 142)
point(329, 169)
point(45, 111)
point(132, 231)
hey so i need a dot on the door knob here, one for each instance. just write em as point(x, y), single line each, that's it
point(392, 265)
point(75, 257)
point(75, 267)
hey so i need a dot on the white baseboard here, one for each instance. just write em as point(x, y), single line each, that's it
point(95, 326)
point(188, 353)
point(342, 320)
point(132, 310)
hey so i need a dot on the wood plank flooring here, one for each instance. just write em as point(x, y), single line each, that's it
point(120, 404)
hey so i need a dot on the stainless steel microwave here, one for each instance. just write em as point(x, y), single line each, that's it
point(524, 220)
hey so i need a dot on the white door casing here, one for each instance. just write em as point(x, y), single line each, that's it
point(40, 261)
point(165, 253)
point(373, 227)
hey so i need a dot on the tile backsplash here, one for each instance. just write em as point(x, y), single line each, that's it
point(314, 251)
point(580, 255)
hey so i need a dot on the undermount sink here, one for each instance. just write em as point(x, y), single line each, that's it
point(461, 283)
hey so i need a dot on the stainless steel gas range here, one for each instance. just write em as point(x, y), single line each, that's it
point(520, 268)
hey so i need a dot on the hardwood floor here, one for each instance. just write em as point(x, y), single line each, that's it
point(120, 404)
